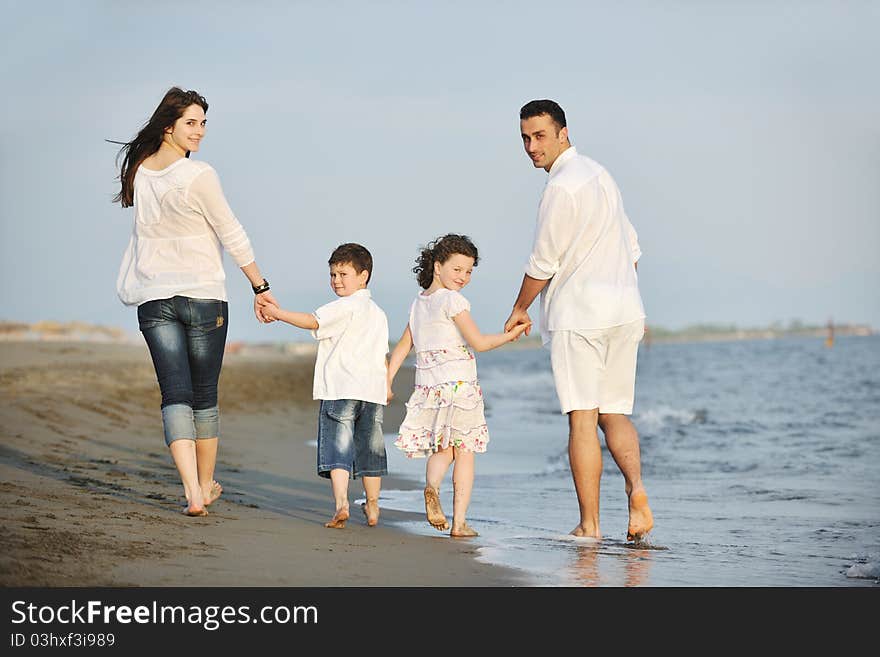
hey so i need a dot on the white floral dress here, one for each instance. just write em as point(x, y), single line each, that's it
point(446, 406)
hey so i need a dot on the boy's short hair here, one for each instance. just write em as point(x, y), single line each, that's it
point(539, 107)
point(354, 254)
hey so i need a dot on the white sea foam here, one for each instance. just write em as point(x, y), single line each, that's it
point(869, 570)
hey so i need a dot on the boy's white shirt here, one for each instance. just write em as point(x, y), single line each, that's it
point(352, 339)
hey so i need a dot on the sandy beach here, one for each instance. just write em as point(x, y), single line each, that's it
point(90, 496)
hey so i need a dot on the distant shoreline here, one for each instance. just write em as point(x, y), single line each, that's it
point(52, 331)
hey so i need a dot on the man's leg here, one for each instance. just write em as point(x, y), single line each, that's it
point(585, 458)
point(622, 440)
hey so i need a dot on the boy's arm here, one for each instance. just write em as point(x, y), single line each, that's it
point(398, 355)
point(480, 342)
point(300, 320)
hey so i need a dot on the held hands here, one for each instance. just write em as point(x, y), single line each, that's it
point(389, 393)
point(518, 318)
point(271, 312)
point(517, 330)
point(263, 301)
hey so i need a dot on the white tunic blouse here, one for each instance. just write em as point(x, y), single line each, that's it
point(182, 224)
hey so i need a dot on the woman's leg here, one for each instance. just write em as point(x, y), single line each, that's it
point(435, 471)
point(206, 329)
point(165, 336)
point(462, 485)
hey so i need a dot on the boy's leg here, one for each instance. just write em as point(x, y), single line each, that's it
point(339, 483)
point(372, 486)
point(435, 470)
point(370, 459)
point(462, 485)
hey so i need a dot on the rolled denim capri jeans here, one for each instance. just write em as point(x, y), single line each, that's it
point(350, 438)
point(187, 338)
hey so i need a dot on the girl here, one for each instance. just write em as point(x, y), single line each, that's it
point(173, 272)
point(444, 417)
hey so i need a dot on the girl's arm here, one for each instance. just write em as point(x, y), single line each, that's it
point(300, 320)
point(398, 355)
point(480, 342)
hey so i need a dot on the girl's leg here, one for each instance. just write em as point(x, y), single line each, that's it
point(435, 470)
point(339, 482)
point(462, 485)
point(372, 486)
point(206, 328)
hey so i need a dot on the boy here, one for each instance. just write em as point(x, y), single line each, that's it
point(350, 371)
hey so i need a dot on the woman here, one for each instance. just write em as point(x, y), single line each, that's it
point(173, 272)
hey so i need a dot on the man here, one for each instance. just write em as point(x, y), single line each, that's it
point(583, 263)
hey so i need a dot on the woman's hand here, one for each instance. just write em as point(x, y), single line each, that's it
point(261, 301)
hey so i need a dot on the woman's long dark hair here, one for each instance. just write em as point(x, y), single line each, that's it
point(441, 250)
point(149, 139)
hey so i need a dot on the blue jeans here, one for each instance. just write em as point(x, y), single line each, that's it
point(187, 338)
point(350, 438)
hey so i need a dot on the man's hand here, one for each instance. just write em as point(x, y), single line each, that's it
point(518, 317)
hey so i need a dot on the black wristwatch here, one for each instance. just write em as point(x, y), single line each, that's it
point(262, 287)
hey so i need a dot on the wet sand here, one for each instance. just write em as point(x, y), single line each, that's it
point(89, 495)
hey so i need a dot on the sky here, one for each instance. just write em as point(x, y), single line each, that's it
point(744, 137)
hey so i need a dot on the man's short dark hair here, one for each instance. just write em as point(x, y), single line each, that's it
point(355, 255)
point(540, 107)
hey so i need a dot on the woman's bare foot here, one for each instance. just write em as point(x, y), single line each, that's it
point(433, 510)
point(213, 492)
point(464, 531)
point(195, 511)
point(371, 510)
point(640, 518)
point(338, 520)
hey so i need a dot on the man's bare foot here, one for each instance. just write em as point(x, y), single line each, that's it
point(433, 509)
point(212, 493)
point(585, 532)
point(371, 510)
point(640, 518)
point(338, 520)
point(464, 531)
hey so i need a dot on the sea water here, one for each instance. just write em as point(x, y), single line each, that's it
point(761, 460)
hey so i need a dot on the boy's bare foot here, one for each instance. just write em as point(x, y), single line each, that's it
point(464, 531)
point(213, 493)
point(585, 532)
point(338, 520)
point(640, 518)
point(371, 510)
point(433, 509)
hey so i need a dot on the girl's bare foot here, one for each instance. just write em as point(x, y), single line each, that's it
point(464, 531)
point(371, 510)
point(640, 518)
point(212, 493)
point(433, 510)
point(338, 520)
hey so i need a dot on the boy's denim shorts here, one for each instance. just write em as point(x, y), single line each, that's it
point(350, 437)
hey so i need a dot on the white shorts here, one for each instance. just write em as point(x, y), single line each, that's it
point(596, 368)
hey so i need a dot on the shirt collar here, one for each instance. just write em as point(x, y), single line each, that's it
point(363, 293)
point(564, 157)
